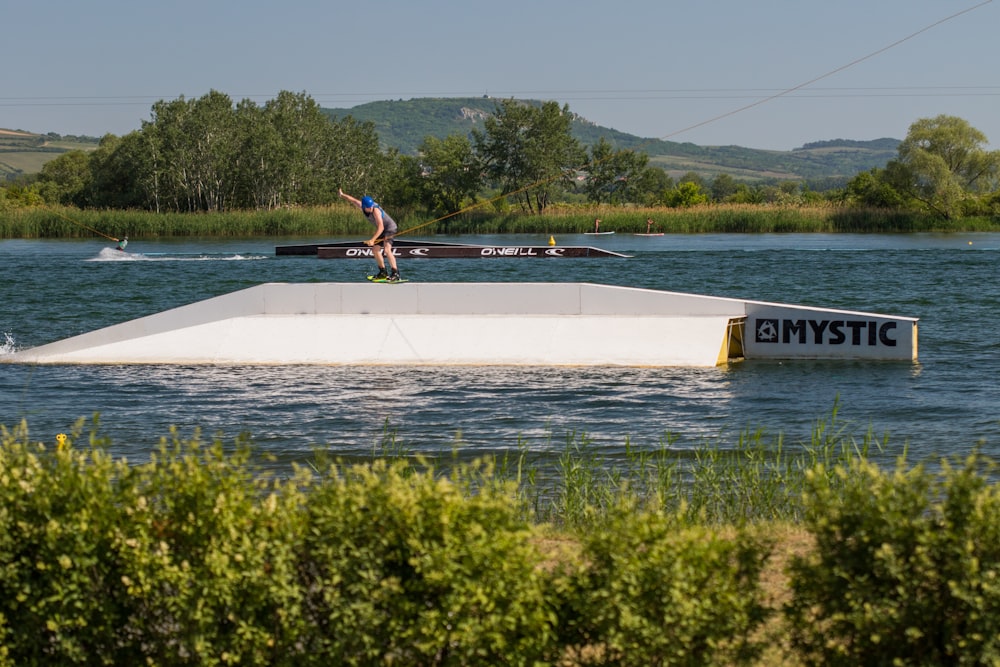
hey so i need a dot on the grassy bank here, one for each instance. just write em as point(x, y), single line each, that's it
point(342, 221)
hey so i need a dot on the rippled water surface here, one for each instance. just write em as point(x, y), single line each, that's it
point(945, 404)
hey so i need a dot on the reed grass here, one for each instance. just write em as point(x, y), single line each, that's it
point(342, 220)
point(759, 478)
point(74, 223)
point(715, 219)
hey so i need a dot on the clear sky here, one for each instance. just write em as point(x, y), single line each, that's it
point(653, 68)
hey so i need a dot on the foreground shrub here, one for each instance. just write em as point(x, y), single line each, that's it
point(57, 523)
point(199, 557)
point(649, 592)
point(205, 550)
point(402, 568)
point(906, 569)
point(185, 560)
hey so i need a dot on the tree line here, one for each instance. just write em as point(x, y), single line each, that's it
point(209, 154)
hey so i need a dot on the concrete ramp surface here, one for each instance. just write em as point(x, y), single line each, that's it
point(480, 324)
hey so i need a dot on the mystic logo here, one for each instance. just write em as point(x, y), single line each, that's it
point(825, 332)
point(767, 331)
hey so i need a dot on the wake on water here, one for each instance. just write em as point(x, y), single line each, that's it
point(114, 255)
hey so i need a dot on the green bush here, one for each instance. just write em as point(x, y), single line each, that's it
point(906, 568)
point(650, 592)
point(57, 522)
point(199, 556)
point(405, 569)
point(206, 557)
point(184, 560)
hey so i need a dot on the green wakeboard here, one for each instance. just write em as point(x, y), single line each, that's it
point(386, 280)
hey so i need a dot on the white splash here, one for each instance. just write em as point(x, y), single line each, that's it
point(8, 345)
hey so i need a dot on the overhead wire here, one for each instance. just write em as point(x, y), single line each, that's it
point(713, 119)
point(615, 95)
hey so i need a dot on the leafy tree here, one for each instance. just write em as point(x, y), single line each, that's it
point(452, 172)
point(122, 173)
point(170, 155)
point(65, 179)
point(405, 179)
point(944, 162)
point(651, 185)
point(259, 159)
point(214, 156)
point(601, 172)
point(723, 187)
point(553, 153)
point(614, 176)
point(687, 193)
point(746, 194)
point(299, 133)
point(355, 162)
point(529, 152)
point(19, 196)
point(203, 155)
point(693, 177)
point(873, 189)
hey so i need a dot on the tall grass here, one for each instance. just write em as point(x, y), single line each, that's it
point(75, 223)
point(338, 220)
point(715, 219)
point(758, 478)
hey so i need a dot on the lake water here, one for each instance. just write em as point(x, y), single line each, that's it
point(944, 404)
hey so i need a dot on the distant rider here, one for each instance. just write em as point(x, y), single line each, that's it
point(122, 242)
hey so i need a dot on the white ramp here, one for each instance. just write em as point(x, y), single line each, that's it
point(461, 323)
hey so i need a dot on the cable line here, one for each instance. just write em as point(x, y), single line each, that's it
point(757, 103)
point(80, 224)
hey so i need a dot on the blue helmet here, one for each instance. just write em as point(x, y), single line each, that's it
point(367, 202)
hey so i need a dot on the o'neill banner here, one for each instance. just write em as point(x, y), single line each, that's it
point(435, 249)
point(452, 251)
point(788, 332)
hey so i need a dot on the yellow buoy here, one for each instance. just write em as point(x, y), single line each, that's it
point(552, 240)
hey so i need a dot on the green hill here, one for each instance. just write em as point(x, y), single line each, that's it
point(25, 152)
point(403, 124)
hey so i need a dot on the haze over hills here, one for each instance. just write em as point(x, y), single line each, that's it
point(403, 124)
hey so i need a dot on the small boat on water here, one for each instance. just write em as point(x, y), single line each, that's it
point(597, 233)
point(653, 234)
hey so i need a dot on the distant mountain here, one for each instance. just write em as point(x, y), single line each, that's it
point(403, 124)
